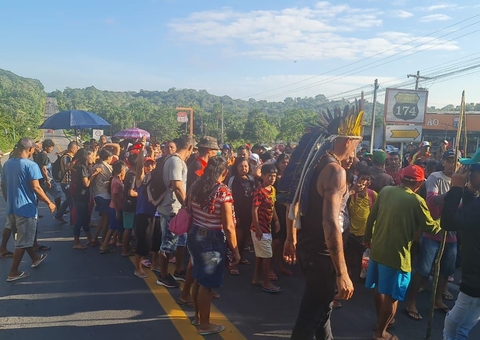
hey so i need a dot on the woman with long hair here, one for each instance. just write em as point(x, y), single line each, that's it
point(212, 230)
point(242, 185)
point(81, 196)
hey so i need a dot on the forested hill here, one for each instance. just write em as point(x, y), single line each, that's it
point(258, 121)
point(21, 108)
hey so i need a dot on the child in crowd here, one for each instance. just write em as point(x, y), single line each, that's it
point(359, 206)
point(116, 188)
point(263, 211)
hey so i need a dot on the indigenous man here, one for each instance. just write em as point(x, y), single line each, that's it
point(391, 241)
point(320, 245)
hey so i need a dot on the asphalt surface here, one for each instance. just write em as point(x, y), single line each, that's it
point(84, 295)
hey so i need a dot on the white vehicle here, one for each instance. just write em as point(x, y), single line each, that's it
point(388, 149)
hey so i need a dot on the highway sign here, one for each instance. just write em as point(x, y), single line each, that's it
point(405, 106)
point(403, 133)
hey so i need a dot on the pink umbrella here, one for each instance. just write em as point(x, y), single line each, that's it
point(133, 133)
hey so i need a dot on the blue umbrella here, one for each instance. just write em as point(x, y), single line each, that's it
point(74, 119)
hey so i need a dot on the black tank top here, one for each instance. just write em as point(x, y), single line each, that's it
point(310, 237)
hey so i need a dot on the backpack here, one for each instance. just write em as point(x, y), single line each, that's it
point(57, 169)
point(154, 183)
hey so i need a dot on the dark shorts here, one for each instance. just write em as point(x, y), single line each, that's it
point(147, 231)
point(281, 211)
point(208, 251)
point(102, 205)
point(113, 223)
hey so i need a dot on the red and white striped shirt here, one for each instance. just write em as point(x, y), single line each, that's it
point(210, 217)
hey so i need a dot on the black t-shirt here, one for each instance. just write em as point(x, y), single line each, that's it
point(42, 160)
point(242, 192)
point(129, 202)
point(193, 170)
point(82, 193)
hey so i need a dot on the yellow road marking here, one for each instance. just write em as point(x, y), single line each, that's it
point(178, 317)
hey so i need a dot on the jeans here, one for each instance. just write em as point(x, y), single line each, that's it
point(68, 203)
point(462, 318)
point(83, 218)
point(316, 306)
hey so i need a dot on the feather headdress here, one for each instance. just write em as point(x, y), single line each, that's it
point(298, 175)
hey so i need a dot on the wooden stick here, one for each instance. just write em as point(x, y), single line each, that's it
point(436, 273)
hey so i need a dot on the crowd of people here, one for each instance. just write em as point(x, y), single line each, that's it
point(239, 199)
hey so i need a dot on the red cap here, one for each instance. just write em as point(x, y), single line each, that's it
point(148, 159)
point(414, 173)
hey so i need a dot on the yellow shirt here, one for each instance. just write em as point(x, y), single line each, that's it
point(358, 210)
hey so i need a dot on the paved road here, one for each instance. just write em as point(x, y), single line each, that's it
point(84, 295)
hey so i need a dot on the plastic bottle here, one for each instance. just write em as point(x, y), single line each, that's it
point(365, 261)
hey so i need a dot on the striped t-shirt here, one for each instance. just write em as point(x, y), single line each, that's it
point(264, 199)
point(210, 216)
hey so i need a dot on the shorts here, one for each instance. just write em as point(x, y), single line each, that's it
point(24, 227)
point(113, 223)
point(387, 280)
point(208, 251)
point(147, 233)
point(263, 248)
point(170, 241)
point(128, 220)
point(102, 205)
point(428, 252)
point(55, 191)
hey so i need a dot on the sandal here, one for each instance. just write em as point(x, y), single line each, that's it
point(146, 263)
point(217, 329)
point(413, 315)
point(19, 277)
point(447, 296)
point(188, 304)
point(36, 264)
point(140, 276)
point(234, 271)
point(272, 290)
point(7, 255)
point(80, 247)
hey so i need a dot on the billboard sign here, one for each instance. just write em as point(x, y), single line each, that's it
point(182, 117)
point(405, 106)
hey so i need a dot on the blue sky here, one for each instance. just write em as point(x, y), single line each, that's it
point(262, 49)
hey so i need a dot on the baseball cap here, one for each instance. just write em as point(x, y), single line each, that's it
point(26, 143)
point(255, 157)
point(148, 159)
point(413, 173)
point(448, 153)
point(471, 161)
point(379, 156)
point(226, 146)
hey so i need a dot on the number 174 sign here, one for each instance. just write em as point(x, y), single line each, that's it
point(405, 106)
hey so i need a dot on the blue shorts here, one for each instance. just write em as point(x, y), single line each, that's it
point(102, 205)
point(128, 220)
point(113, 223)
point(428, 252)
point(170, 241)
point(387, 280)
point(208, 251)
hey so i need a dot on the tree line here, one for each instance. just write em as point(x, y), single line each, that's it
point(22, 103)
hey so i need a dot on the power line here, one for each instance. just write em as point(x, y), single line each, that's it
point(370, 57)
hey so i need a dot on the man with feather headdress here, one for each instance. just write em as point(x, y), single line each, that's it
point(315, 186)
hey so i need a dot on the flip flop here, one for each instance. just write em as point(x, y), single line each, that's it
point(447, 296)
point(43, 248)
point(19, 277)
point(234, 272)
point(140, 276)
point(246, 262)
point(188, 304)
point(216, 330)
point(80, 247)
point(42, 257)
point(7, 255)
point(272, 290)
point(413, 315)
point(146, 263)
point(195, 323)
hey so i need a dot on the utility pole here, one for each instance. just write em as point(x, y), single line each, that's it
point(417, 78)
point(372, 136)
point(222, 140)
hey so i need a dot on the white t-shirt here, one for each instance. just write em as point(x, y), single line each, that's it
point(438, 183)
point(174, 169)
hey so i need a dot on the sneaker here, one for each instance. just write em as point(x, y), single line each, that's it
point(168, 282)
point(179, 276)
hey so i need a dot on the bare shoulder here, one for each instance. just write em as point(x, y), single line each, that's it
point(331, 178)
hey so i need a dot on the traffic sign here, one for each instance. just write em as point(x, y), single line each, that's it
point(96, 134)
point(405, 106)
point(403, 133)
point(182, 117)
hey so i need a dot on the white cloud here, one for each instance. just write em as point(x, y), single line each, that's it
point(440, 6)
point(435, 17)
point(325, 31)
point(401, 14)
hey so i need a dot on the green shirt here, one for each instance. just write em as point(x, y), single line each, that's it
point(398, 214)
